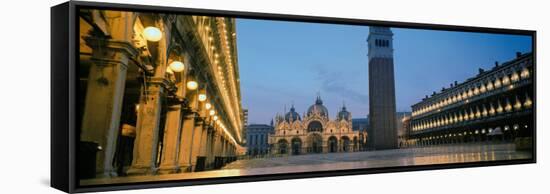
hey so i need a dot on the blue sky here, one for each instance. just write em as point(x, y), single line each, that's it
point(284, 63)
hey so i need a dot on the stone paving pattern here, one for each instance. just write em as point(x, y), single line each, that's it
point(341, 161)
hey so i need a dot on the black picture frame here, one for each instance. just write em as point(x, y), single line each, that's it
point(64, 55)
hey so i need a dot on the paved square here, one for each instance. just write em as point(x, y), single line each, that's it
point(342, 161)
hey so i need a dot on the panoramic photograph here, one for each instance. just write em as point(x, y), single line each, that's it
point(165, 97)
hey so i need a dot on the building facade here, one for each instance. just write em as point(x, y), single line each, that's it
point(257, 139)
point(495, 105)
point(362, 126)
point(314, 132)
point(159, 93)
point(401, 119)
point(381, 88)
point(404, 132)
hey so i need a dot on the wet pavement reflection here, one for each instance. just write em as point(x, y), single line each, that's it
point(343, 161)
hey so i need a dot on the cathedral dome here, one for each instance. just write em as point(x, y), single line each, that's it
point(344, 114)
point(318, 108)
point(292, 115)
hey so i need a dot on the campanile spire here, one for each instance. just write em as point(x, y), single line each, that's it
point(382, 88)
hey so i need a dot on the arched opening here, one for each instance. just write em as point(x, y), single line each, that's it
point(346, 144)
point(315, 143)
point(296, 146)
point(332, 144)
point(283, 146)
point(315, 126)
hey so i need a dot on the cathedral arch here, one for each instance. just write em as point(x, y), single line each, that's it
point(332, 144)
point(345, 143)
point(315, 143)
point(315, 126)
point(296, 144)
point(283, 146)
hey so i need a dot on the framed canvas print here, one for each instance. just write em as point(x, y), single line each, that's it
point(148, 96)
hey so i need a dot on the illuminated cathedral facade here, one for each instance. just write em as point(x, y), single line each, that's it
point(315, 132)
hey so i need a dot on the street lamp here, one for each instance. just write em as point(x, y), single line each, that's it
point(202, 97)
point(215, 118)
point(177, 66)
point(212, 112)
point(152, 33)
point(192, 85)
point(208, 106)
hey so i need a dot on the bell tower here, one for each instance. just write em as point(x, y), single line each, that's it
point(381, 89)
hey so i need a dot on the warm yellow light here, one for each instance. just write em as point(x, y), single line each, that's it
point(215, 118)
point(505, 80)
point(202, 97)
point(177, 66)
point(527, 102)
point(517, 106)
point(208, 106)
point(169, 71)
point(192, 85)
point(212, 112)
point(525, 73)
point(152, 33)
point(497, 83)
point(508, 106)
point(515, 77)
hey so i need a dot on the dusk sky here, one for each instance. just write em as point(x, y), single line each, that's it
point(281, 63)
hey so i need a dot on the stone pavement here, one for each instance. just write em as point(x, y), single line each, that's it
point(340, 161)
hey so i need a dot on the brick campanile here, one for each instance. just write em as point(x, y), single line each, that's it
point(381, 89)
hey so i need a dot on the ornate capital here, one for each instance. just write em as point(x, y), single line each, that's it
point(108, 51)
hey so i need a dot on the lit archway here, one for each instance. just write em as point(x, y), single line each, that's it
point(315, 143)
point(332, 144)
point(296, 145)
point(346, 144)
point(283, 146)
point(315, 126)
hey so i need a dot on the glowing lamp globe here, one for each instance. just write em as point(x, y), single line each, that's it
point(208, 106)
point(177, 66)
point(192, 85)
point(152, 34)
point(202, 97)
point(212, 112)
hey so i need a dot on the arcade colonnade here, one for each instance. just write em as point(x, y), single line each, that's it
point(158, 93)
point(495, 105)
point(318, 143)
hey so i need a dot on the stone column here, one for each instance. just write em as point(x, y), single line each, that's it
point(208, 146)
point(147, 130)
point(222, 146)
point(213, 145)
point(172, 135)
point(103, 103)
point(217, 143)
point(197, 131)
point(186, 140)
point(197, 137)
point(224, 153)
point(204, 141)
point(222, 143)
